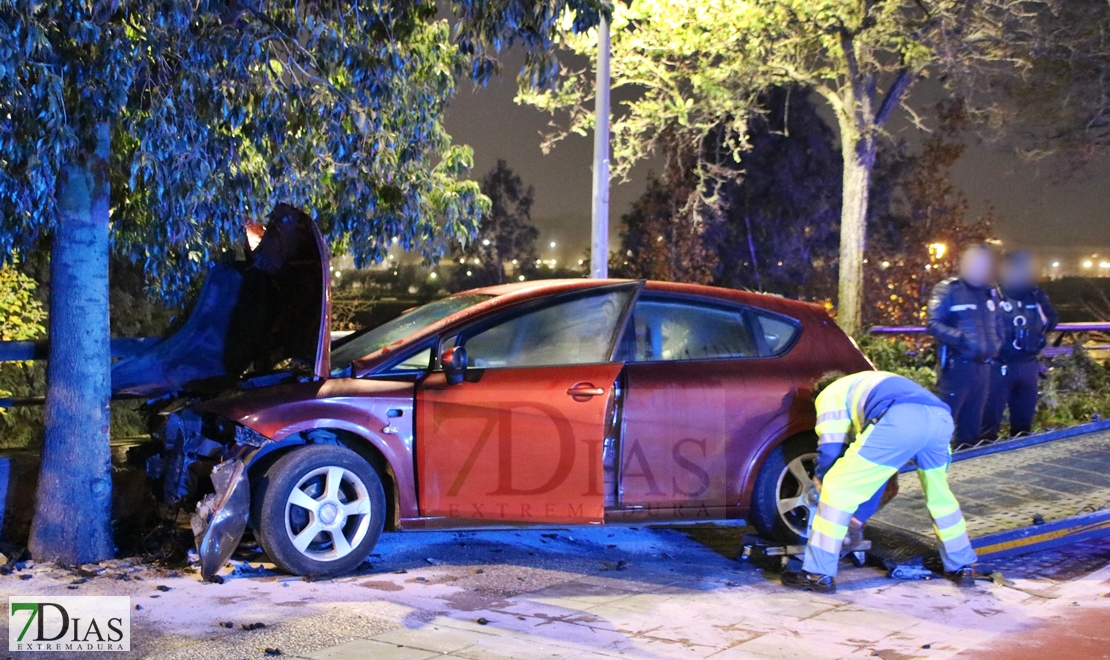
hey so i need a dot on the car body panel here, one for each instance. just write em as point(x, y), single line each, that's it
point(512, 445)
point(380, 412)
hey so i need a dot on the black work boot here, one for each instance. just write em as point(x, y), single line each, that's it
point(963, 577)
point(806, 581)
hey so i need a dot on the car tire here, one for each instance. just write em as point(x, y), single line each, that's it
point(779, 481)
point(325, 489)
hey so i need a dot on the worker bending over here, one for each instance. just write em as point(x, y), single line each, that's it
point(869, 425)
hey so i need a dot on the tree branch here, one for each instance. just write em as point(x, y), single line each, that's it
point(894, 95)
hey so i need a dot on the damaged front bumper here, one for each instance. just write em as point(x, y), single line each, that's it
point(221, 517)
point(201, 450)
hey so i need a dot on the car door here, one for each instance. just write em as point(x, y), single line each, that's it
point(701, 381)
point(520, 439)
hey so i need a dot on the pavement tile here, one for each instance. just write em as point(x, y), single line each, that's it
point(786, 645)
point(433, 637)
point(514, 648)
point(865, 623)
point(360, 649)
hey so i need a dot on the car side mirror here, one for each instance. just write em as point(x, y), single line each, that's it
point(454, 364)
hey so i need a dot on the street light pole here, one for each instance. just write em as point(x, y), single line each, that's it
point(599, 245)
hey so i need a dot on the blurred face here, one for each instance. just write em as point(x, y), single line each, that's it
point(976, 266)
point(1018, 274)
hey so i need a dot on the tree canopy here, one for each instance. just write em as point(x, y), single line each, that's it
point(218, 112)
point(506, 234)
point(696, 68)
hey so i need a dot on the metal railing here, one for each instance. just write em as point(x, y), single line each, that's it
point(1054, 349)
point(1063, 328)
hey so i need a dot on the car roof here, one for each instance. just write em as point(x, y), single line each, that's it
point(543, 288)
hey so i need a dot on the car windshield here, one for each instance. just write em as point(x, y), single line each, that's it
point(367, 341)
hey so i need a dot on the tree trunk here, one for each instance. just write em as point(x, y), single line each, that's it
point(72, 522)
point(858, 151)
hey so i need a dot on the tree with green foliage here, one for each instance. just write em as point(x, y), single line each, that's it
point(159, 129)
point(506, 234)
point(697, 67)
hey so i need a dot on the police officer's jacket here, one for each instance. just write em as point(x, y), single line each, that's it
point(965, 318)
point(849, 405)
point(1026, 316)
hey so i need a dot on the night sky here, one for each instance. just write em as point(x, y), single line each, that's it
point(1035, 207)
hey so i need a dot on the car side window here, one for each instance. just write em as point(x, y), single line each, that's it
point(418, 361)
point(664, 330)
point(578, 330)
point(778, 332)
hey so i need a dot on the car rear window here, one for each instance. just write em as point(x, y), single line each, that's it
point(664, 330)
point(778, 332)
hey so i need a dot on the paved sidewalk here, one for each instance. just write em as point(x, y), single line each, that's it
point(634, 614)
point(627, 592)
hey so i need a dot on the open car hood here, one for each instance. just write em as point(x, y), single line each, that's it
point(270, 311)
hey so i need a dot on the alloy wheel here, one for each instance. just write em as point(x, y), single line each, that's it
point(327, 514)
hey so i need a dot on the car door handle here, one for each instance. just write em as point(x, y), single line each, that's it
point(585, 390)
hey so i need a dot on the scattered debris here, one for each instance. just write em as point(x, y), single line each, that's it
point(226, 624)
point(272, 651)
point(433, 562)
point(162, 587)
point(926, 646)
point(253, 626)
point(482, 621)
point(908, 572)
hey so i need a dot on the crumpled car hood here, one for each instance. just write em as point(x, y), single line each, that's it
point(271, 311)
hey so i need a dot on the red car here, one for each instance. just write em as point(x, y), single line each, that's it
point(548, 402)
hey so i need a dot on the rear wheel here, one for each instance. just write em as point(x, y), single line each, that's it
point(784, 499)
point(320, 510)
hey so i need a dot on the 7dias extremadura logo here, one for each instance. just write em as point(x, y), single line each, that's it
point(69, 623)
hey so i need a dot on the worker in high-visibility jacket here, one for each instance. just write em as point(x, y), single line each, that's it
point(869, 425)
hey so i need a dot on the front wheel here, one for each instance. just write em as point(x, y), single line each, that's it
point(321, 510)
point(784, 499)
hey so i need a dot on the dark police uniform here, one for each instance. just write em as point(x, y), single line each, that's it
point(966, 321)
point(1026, 316)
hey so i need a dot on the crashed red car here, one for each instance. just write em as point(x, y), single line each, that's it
point(538, 403)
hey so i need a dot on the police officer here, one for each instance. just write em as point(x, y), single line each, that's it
point(963, 315)
point(1027, 316)
point(869, 425)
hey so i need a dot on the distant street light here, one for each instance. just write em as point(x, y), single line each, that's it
point(1088, 263)
point(938, 250)
point(552, 243)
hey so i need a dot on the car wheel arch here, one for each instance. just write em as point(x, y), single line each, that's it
point(747, 479)
point(359, 443)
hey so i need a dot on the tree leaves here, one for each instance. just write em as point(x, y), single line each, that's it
point(220, 112)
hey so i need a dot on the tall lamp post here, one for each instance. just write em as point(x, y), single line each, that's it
point(599, 244)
